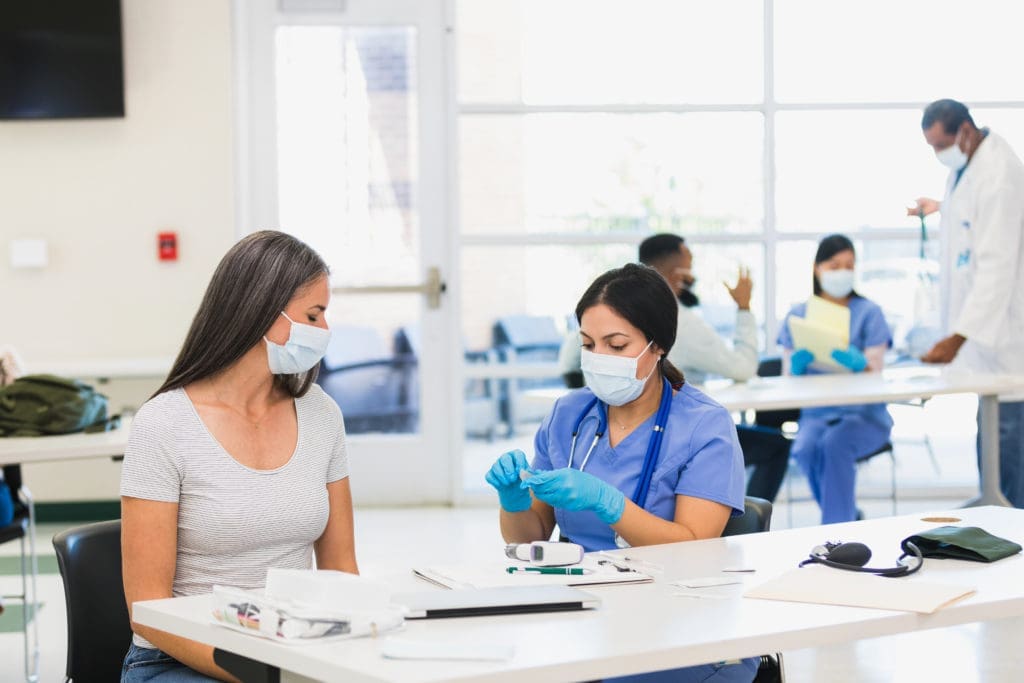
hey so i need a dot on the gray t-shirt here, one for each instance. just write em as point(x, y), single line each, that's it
point(234, 522)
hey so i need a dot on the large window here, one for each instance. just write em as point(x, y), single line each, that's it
point(751, 127)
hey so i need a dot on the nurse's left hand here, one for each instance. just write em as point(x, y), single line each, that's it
point(571, 489)
point(851, 358)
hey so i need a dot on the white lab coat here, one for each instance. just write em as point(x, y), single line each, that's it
point(982, 236)
point(699, 350)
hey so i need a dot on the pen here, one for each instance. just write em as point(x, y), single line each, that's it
point(571, 571)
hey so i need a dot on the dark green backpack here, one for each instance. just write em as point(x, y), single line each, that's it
point(41, 405)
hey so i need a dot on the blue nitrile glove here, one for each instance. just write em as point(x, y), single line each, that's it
point(504, 476)
point(799, 361)
point(571, 489)
point(850, 358)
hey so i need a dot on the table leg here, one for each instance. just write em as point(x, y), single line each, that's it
point(991, 494)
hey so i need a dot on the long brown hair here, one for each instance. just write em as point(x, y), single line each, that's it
point(253, 283)
point(641, 296)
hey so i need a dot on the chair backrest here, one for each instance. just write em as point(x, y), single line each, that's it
point(99, 630)
point(772, 367)
point(757, 516)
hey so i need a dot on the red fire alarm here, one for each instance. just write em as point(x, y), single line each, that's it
point(167, 246)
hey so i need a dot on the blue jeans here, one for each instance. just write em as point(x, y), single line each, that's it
point(143, 664)
point(1011, 450)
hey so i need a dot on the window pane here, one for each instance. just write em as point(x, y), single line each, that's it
point(889, 272)
point(846, 170)
point(714, 264)
point(538, 281)
point(592, 52)
point(609, 173)
point(347, 147)
point(882, 51)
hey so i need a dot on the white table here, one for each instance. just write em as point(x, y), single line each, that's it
point(890, 386)
point(644, 627)
point(31, 449)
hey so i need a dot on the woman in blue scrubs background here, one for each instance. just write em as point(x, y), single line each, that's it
point(830, 439)
point(627, 325)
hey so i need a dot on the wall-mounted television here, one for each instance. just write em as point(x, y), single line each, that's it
point(61, 59)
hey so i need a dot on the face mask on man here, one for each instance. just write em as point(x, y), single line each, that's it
point(306, 345)
point(613, 378)
point(836, 283)
point(952, 157)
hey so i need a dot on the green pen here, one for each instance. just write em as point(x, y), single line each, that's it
point(565, 571)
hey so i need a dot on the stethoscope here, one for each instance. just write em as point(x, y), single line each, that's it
point(643, 485)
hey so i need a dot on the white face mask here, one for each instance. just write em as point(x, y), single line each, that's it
point(952, 157)
point(836, 283)
point(306, 345)
point(613, 378)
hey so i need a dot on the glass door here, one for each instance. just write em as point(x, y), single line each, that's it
point(343, 144)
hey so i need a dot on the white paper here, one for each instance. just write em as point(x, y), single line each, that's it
point(405, 648)
point(494, 575)
point(707, 581)
point(828, 586)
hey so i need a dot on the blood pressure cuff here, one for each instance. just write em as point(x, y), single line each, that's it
point(963, 543)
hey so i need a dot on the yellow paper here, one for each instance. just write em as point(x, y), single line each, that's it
point(817, 339)
point(824, 313)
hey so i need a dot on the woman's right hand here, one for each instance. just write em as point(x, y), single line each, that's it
point(799, 361)
point(504, 477)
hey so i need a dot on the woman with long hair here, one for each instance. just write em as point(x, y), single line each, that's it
point(238, 462)
point(637, 457)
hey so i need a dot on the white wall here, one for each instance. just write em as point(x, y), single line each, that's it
point(99, 190)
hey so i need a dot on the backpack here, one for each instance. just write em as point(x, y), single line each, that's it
point(41, 405)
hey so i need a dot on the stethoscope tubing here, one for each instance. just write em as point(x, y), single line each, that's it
point(653, 445)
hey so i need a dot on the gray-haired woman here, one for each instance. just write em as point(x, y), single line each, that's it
point(238, 462)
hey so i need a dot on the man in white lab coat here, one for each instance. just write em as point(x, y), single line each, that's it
point(982, 236)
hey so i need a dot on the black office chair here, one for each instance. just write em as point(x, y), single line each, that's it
point(757, 517)
point(99, 630)
point(23, 529)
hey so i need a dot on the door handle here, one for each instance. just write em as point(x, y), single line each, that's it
point(432, 288)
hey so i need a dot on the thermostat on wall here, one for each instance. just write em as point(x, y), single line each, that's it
point(28, 254)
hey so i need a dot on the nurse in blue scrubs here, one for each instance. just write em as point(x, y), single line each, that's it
point(654, 460)
point(831, 439)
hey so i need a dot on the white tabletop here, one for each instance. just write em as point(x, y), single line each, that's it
point(891, 385)
point(644, 627)
point(31, 449)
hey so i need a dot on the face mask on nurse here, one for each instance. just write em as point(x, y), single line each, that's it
point(613, 378)
point(837, 283)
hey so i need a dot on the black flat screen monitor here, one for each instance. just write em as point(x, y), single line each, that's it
point(61, 59)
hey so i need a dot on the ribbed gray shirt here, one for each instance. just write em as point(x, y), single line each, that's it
point(234, 522)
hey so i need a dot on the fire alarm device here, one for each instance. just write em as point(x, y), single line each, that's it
point(167, 246)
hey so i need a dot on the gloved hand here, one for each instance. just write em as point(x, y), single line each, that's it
point(571, 489)
point(799, 361)
point(504, 476)
point(851, 358)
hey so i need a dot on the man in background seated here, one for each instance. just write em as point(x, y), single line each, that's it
point(699, 351)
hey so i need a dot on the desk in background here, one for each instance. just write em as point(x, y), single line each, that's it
point(890, 386)
point(643, 627)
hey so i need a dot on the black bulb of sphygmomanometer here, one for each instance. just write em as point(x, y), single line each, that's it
point(856, 554)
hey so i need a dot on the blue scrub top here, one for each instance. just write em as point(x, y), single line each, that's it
point(700, 456)
point(867, 328)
